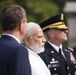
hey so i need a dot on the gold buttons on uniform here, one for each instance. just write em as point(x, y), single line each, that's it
point(54, 68)
point(69, 74)
point(67, 67)
point(55, 74)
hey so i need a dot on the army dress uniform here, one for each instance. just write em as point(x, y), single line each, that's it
point(57, 63)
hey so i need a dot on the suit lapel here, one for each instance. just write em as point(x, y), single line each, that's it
point(67, 55)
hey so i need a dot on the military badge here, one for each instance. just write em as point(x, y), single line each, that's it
point(72, 57)
point(53, 63)
point(70, 49)
point(62, 17)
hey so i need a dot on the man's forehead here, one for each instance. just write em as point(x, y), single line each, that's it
point(38, 32)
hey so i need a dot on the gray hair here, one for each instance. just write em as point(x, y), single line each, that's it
point(31, 27)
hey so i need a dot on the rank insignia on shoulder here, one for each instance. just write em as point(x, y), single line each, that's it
point(70, 48)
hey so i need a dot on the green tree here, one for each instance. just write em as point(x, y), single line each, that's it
point(37, 10)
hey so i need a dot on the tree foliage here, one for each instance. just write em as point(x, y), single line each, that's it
point(37, 10)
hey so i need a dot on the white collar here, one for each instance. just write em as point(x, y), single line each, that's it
point(31, 51)
point(54, 46)
point(12, 36)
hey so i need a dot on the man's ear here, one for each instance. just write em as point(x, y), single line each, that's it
point(27, 40)
point(20, 26)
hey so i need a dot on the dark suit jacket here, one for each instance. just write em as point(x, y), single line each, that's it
point(13, 57)
point(56, 63)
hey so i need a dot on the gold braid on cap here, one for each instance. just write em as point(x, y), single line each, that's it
point(55, 25)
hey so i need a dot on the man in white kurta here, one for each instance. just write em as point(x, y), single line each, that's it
point(34, 41)
point(38, 67)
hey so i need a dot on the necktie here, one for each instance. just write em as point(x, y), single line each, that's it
point(60, 51)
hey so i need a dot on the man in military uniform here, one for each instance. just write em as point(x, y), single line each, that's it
point(59, 60)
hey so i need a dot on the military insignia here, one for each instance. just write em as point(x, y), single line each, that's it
point(49, 66)
point(53, 63)
point(53, 59)
point(70, 48)
point(52, 51)
point(62, 17)
point(55, 69)
point(72, 57)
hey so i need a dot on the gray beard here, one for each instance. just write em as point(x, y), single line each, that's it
point(36, 47)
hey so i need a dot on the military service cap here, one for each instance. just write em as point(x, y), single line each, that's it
point(55, 22)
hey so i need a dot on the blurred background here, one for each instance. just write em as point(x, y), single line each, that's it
point(39, 10)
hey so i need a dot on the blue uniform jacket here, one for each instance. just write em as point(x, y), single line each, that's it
point(56, 63)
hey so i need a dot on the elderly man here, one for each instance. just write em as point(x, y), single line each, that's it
point(34, 41)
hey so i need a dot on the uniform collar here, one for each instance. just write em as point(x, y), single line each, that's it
point(54, 46)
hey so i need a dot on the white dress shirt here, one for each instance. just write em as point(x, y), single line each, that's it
point(57, 48)
point(38, 67)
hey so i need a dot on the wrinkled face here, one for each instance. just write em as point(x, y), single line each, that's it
point(38, 41)
point(60, 35)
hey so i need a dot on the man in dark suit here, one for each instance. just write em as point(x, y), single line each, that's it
point(13, 55)
point(58, 59)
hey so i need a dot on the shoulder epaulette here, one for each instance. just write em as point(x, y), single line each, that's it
point(70, 48)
